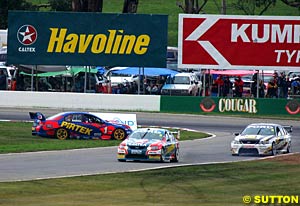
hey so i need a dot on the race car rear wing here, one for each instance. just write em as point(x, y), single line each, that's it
point(289, 129)
point(37, 116)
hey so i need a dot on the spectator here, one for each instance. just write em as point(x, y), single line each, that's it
point(3, 81)
point(79, 83)
point(14, 84)
point(152, 88)
point(220, 83)
point(100, 88)
point(282, 86)
point(275, 76)
point(295, 85)
point(20, 82)
point(261, 89)
point(227, 88)
point(239, 87)
point(254, 88)
point(272, 89)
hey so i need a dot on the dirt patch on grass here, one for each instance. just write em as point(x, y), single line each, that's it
point(286, 158)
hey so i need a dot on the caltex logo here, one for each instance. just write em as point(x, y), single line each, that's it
point(27, 35)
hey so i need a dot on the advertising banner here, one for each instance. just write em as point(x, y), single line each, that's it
point(87, 39)
point(239, 42)
point(241, 106)
point(119, 118)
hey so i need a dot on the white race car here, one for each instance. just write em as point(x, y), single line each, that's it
point(262, 139)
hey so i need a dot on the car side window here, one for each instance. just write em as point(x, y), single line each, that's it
point(77, 118)
point(69, 118)
point(283, 131)
point(278, 131)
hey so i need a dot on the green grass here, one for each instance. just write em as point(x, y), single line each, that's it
point(207, 185)
point(16, 137)
point(170, 8)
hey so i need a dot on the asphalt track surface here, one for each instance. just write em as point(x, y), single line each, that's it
point(54, 164)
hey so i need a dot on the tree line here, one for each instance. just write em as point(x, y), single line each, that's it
point(248, 7)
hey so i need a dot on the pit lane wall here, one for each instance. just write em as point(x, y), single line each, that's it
point(241, 106)
point(77, 101)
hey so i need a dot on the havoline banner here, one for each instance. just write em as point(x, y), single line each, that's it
point(93, 39)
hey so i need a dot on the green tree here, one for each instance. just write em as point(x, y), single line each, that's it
point(60, 5)
point(87, 5)
point(6, 5)
point(191, 6)
point(254, 7)
point(292, 3)
point(130, 6)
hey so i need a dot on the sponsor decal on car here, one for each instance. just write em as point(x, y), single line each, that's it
point(76, 128)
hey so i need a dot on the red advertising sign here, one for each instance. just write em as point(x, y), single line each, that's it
point(239, 42)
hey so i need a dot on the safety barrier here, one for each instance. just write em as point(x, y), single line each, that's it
point(155, 103)
point(23, 99)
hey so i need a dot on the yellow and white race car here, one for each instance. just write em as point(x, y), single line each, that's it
point(262, 139)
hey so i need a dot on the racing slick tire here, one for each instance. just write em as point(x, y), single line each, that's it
point(176, 157)
point(288, 149)
point(274, 151)
point(119, 134)
point(61, 134)
point(162, 155)
point(121, 160)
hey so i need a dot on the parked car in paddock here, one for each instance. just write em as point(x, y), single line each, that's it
point(150, 144)
point(182, 84)
point(78, 125)
point(262, 139)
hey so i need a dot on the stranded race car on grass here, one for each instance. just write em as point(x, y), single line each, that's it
point(77, 125)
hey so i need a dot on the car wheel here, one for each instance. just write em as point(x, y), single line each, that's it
point(274, 151)
point(162, 155)
point(61, 134)
point(176, 157)
point(121, 160)
point(119, 134)
point(288, 149)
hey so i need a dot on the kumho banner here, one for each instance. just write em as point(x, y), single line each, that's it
point(69, 38)
point(239, 42)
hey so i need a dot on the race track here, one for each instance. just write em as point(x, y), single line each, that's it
point(40, 165)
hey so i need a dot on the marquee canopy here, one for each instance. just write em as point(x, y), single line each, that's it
point(148, 71)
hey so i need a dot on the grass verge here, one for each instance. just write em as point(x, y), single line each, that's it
point(16, 137)
point(206, 185)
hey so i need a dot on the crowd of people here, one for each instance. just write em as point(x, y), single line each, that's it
point(279, 86)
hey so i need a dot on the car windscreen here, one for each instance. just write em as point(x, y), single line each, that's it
point(147, 135)
point(181, 80)
point(259, 130)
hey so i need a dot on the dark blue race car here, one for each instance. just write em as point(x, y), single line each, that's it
point(79, 125)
